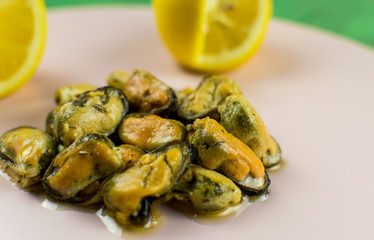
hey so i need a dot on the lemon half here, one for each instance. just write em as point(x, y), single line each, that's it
point(23, 25)
point(212, 35)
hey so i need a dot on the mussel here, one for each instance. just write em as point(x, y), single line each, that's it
point(219, 150)
point(240, 119)
point(136, 143)
point(100, 110)
point(129, 154)
point(69, 93)
point(149, 131)
point(204, 100)
point(50, 121)
point(181, 94)
point(127, 194)
point(76, 173)
point(206, 190)
point(144, 92)
point(25, 154)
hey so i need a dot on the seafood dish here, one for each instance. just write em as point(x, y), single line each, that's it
point(136, 143)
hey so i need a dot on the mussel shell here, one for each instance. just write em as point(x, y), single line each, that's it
point(100, 110)
point(144, 214)
point(25, 154)
point(204, 101)
point(76, 173)
point(255, 191)
point(149, 131)
point(145, 92)
point(153, 176)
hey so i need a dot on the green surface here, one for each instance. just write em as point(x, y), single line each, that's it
point(351, 18)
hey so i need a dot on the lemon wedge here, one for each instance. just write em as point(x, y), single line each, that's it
point(23, 25)
point(212, 35)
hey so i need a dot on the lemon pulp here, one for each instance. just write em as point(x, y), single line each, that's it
point(22, 40)
point(212, 35)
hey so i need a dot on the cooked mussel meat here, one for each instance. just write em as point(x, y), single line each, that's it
point(219, 150)
point(77, 172)
point(149, 131)
point(136, 143)
point(100, 111)
point(153, 175)
point(69, 93)
point(144, 91)
point(204, 101)
point(25, 154)
point(181, 94)
point(206, 190)
point(129, 154)
point(240, 118)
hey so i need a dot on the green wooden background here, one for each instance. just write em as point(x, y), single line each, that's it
point(351, 18)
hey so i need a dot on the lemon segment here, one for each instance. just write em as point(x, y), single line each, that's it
point(212, 35)
point(22, 40)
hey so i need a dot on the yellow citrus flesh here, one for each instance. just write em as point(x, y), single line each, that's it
point(212, 35)
point(22, 38)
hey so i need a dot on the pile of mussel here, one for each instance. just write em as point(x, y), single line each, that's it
point(136, 142)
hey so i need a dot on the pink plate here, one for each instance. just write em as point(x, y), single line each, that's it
point(314, 91)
